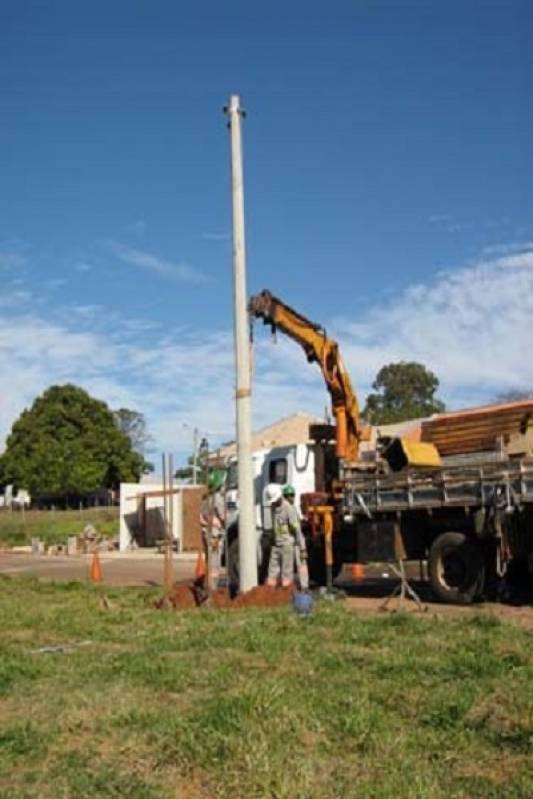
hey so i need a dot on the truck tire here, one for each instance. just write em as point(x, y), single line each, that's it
point(456, 568)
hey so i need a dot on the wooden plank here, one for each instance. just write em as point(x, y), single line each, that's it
point(192, 534)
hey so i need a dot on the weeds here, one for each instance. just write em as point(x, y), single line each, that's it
point(256, 703)
point(54, 526)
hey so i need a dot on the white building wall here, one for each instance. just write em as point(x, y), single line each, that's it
point(129, 493)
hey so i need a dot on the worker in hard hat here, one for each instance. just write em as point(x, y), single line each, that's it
point(284, 531)
point(300, 549)
point(213, 519)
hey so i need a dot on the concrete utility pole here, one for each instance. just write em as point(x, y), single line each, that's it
point(243, 394)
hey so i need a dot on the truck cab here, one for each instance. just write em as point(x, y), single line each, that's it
point(294, 464)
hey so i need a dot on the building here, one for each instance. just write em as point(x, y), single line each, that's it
point(292, 429)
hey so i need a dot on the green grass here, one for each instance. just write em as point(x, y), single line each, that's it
point(54, 526)
point(257, 703)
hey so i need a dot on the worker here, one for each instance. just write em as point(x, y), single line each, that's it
point(300, 549)
point(285, 530)
point(213, 519)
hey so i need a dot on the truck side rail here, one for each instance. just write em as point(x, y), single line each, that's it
point(507, 484)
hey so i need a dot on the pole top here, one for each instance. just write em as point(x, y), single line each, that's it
point(234, 106)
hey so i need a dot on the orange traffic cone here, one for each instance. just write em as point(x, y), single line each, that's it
point(200, 570)
point(95, 574)
point(358, 571)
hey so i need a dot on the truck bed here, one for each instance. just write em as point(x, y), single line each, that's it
point(504, 483)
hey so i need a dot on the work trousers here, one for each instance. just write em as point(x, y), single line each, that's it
point(281, 561)
point(213, 545)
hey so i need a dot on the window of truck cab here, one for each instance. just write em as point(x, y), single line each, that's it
point(277, 471)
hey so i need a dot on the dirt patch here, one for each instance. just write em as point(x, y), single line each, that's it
point(185, 597)
point(259, 597)
point(180, 597)
point(263, 596)
point(521, 616)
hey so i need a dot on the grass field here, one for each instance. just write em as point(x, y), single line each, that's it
point(256, 703)
point(54, 526)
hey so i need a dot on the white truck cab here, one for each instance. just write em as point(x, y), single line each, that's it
point(293, 464)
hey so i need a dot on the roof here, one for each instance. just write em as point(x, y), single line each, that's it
point(292, 429)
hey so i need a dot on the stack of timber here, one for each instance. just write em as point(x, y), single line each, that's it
point(487, 428)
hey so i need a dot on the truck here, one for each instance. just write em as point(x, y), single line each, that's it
point(470, 520)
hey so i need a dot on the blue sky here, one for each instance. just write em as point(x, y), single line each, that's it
point(388, 196)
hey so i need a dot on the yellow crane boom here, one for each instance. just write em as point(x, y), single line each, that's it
point(318, 347)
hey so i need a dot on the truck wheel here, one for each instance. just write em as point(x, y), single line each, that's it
point(456, 568)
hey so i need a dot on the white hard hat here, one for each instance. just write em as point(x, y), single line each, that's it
point(272, 493)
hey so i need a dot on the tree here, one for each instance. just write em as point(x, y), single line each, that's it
point(133, 424)
point(68, 445)
point(404, 390)
point(514, 395)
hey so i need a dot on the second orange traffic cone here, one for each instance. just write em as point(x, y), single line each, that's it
point(96, 569)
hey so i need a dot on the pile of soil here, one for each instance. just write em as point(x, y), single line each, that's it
point(180, 597)
point(184, 597)
point(263, 596)
point(260, 596)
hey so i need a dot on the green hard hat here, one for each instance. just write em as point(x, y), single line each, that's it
point(288, 491)
point(215, 481)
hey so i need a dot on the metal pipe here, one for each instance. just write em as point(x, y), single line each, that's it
point(243, 394)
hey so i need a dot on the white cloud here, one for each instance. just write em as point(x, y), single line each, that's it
point(56, 283)
point(15, 298)
point(10, 261)
point(472, 326)
point(82, 266)
point(153, 263)
point(506, 248)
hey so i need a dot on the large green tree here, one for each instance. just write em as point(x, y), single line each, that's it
point(68, 445)
point(404, 390)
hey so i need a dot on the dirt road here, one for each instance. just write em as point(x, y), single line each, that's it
point(131, 568)
point(369, 595)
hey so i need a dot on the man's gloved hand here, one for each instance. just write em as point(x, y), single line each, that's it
point(303, 553)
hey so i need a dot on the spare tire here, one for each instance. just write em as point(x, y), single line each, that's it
point(456, 568)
